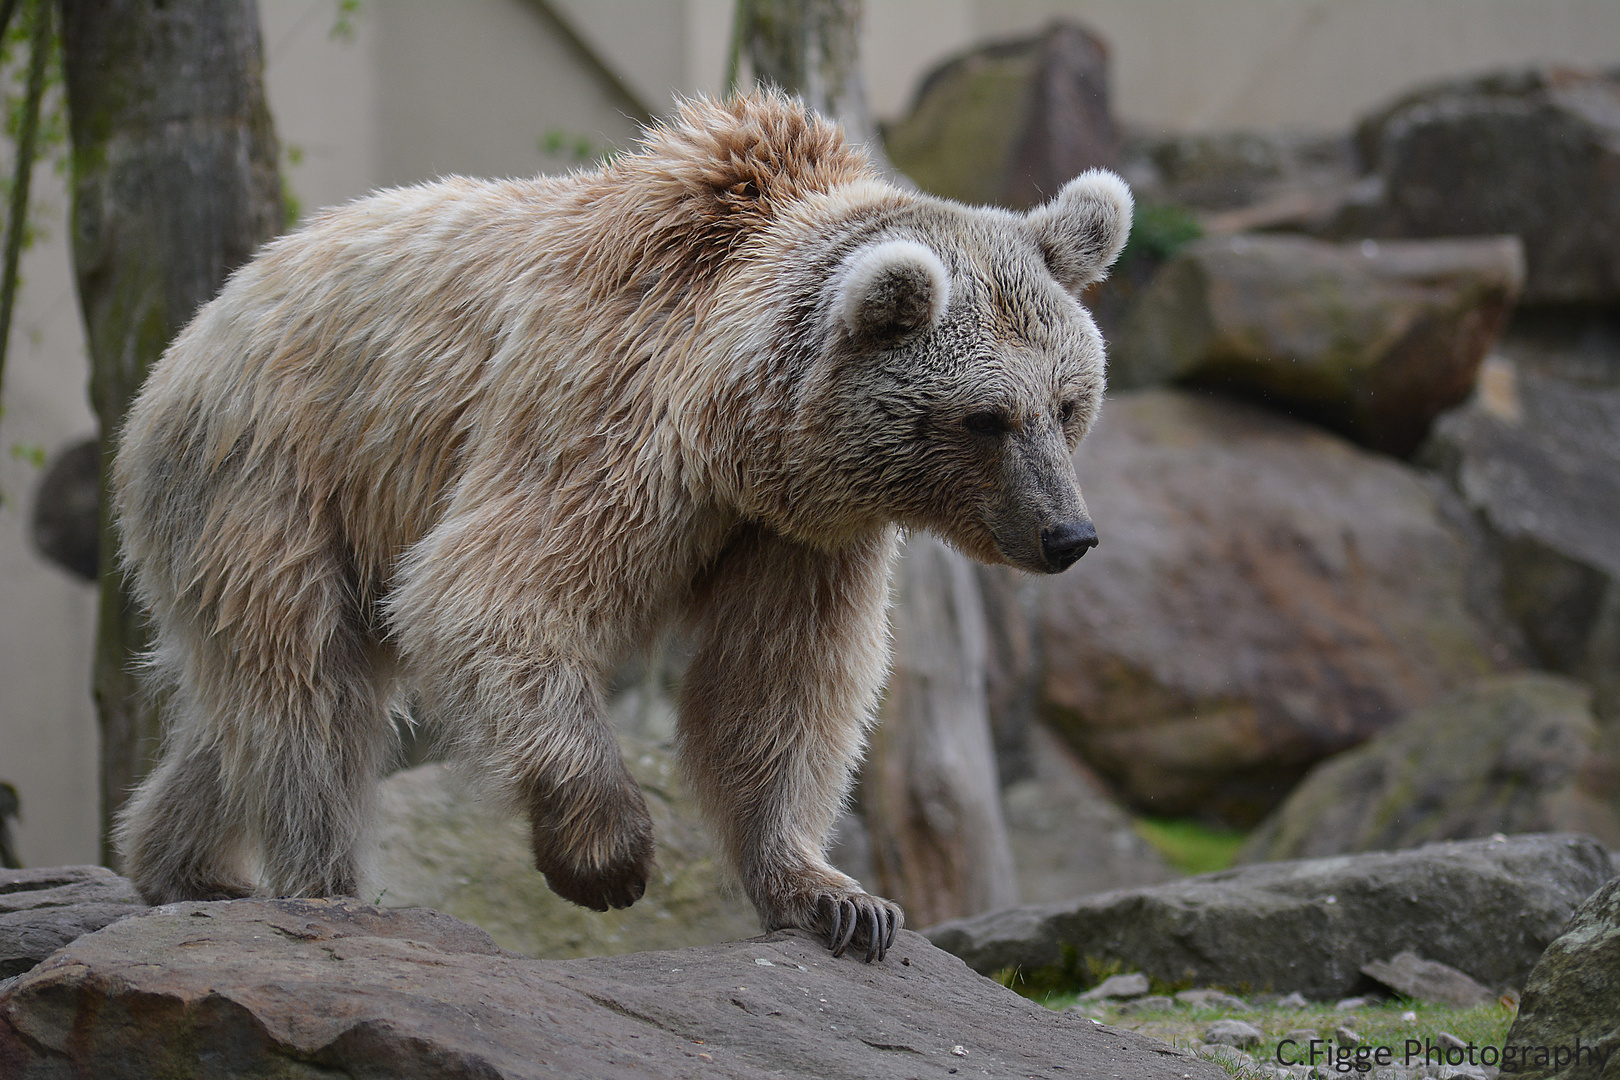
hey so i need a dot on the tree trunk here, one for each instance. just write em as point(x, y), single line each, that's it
point(811, 48)
point(175, 184)
point(930, 792)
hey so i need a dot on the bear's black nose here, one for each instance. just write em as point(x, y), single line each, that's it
point(1062, 545)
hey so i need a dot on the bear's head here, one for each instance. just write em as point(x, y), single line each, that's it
point(958, 371)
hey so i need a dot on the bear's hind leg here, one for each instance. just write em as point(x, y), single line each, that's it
point(555, 753)
point(485, 649)
point(589, 828)
point(310, 785)
point(180, 837)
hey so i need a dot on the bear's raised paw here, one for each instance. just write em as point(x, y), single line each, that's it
point(593, 880)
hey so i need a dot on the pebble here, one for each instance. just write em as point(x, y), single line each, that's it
point(1153, 1002)
point(1228, 1055)
point(1213, 999)
point(1296, 1000)
point(1233, 1033)
point(1091, 1010)
point(1346, 1036)
point(1118, 986)
point(1386, 1072)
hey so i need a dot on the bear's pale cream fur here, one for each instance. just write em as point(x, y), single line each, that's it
point(468, 444)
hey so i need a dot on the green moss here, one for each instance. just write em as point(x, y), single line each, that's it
point(958, 141)
point(1191, 846)
point(1159, 230)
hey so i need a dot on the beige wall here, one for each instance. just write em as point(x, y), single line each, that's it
point(47, 728)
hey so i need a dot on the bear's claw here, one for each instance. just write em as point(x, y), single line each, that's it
point(873, 919)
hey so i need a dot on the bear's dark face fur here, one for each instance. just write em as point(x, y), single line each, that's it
point(968, 375)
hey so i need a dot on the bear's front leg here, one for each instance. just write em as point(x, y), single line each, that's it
point(792, 648)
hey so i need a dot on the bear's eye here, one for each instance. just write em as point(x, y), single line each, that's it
point(988, 422)
point(1066, 412)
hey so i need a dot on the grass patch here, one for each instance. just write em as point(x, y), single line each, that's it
point(1191, 846)
point(1406, 1028)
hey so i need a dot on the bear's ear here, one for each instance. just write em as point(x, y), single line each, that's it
point(1082, 231)
point(890, 290)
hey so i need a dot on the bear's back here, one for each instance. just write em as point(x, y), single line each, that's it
point(423, 337)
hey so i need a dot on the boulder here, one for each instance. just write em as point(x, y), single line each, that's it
point(1569, 1016)
point(306, 988)
point(1132, 985)
point(65, 525)
point(1265, 595)
point(1485, 907)
point(1516, 753)
point(438, 846)
point(1411, 976)
point(1373, 339)
point(1535, 153)
point(1538, 458)
point(1068, 836)
point(1009, 123)
point(1239, 170)
point(43, 910)
point(10, 807)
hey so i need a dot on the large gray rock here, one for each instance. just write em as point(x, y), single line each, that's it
point(301, 988)
point(1534, 153)
point(1486, 907)
point(1068, 836)
point(10, 806)
point(65, 525)
point(1409, 975)
point(1010, 123)
point(1265, 595)
point(1514, 754)
point(1238, 170)
point(440, 847)
point(1372, 339)
point(1538, 457)
point(42, 910)
point(1572, 1001)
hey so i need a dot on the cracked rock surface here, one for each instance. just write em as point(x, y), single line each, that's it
point(311, 988)
point(42, 910)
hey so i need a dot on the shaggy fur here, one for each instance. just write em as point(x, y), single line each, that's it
point(473, 442)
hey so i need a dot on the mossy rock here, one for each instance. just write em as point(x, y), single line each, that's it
point(1514, 754)
point(441, 847)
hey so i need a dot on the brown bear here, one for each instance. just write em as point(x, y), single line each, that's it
point(470, 443)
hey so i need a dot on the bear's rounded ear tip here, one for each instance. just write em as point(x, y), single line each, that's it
point(892, 289)
point(1082, 231)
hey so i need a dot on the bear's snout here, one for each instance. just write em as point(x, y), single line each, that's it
point(1062, 545)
